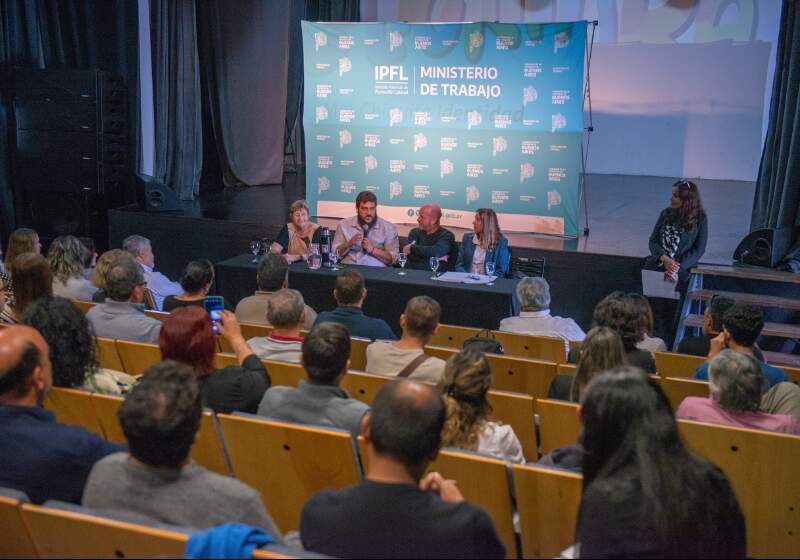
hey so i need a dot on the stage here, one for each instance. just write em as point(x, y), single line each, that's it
point(219, 224)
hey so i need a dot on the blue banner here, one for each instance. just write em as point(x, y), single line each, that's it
point(466, 116)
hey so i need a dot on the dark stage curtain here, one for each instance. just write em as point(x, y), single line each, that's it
point(55, 34)
point(244, 51)
point(176, 96)
point(778, 187)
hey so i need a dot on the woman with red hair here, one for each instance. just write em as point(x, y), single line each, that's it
point(187, 337)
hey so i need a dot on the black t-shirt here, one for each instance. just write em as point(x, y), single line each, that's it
point(378, 520)
point(440, 244)
point(283, 237)
point(172, 302)
point(236, 388)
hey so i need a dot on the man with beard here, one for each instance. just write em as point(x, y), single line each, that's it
point(365, 238)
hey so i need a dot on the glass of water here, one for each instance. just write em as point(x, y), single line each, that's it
point(434, 264)
point(255, 247)
point(314, 261)
point(334, 257)
point(490, 268)
point(402, 258)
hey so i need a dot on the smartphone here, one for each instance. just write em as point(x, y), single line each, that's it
point(214, 306)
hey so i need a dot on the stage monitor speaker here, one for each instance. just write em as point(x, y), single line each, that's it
point(155, 196)
point(764, 247)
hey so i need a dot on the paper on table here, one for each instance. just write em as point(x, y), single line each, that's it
point(466, 278)
point(654, 285)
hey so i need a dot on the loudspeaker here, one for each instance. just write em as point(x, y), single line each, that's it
point(764, 247)
point(156, 197)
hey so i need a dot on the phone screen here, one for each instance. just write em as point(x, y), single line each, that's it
point(214, 306)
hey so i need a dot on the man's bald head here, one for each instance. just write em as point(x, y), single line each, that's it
point(406, 423)
point(429, 217)
point(25, 370)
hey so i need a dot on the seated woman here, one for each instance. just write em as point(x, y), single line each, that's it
point(22, 240)
point(485, 244)
point(467, 377)
point(649, 342)
point(72, 348)
point(187, 337)
point(101, 269)
point(33, 280)
point(736, 384)
point(66, 257)
point(645, 495)
point(295, 238)
point(196, 281)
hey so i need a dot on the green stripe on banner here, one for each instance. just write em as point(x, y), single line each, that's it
point(466, 116)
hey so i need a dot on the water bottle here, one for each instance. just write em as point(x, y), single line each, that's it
point(325, 240)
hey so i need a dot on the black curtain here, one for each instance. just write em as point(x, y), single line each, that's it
point(55, 34)
point(778, 186)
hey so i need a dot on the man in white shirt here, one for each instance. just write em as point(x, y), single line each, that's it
point(534, 318)
point(406, 357)
point(158, 284)
point(286, 313)
point(365, 238)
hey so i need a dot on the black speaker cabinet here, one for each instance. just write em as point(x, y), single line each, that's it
point(764, 247)
point(156, 197)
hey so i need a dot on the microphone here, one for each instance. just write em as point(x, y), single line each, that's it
point(365, 228)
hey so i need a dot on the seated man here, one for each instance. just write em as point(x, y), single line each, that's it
point(272, 274)
point(38, 455)
point(365, 238)
point(285, 313)
point(350, 293)
point(395, 513)
point(320, 400)
point(429, 240)
point(534, 318)
point(741, 326)
point(406, 357)
point(712, 326)
point(736, 383)
point(122, 314)
point(158, 284)
point(157, 482)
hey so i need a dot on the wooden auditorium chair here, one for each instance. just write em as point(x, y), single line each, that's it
point(529, 346)
point(672, 364)
point(73, 406)
point(84, 306)
point(559, 424)
point(15, 542)
point(107, 354)
point(137, 356)
point(677, 389)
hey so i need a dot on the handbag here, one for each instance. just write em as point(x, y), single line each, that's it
point(484, 344)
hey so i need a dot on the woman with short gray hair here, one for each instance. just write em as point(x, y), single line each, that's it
point(736, 384)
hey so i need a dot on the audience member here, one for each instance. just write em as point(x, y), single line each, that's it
point(284, 343)
point(712, 326)
point(91, 257)
point(741, 326)
point(644, 494)
point(430, 239)
point(365, 238)
point(22, 240)
point(350, 293)
point(395, 512)
point(406, 357)
point(735, 383)
point(533, 294)
point(466, 383)
point(319, 401)
point(159, 285)
point(783, 398)
point(602, 350)
point(101, 271)
point(272, 274)
point(33, 280)
point(295, 238)
point(649, 342)
point(122, 315)
point(66, 257)
point(73, 353)
point(38, 455)
point(485, 243)
point(188, 337)
point(157, 482)
point(196, 281)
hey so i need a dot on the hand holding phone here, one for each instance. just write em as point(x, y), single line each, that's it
point(214, 306)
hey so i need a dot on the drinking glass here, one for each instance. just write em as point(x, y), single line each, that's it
point(434, 264)
point(255, 247)
point(490, 268)
point(334, 259)
point(402, 258)
point(314, 261)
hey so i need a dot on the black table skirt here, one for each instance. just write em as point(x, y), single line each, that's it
point(387, 292)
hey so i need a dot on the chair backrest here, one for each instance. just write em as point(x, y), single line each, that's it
point(528, 346)
point(66, 534)
point(287, 374)
point(792, 372)
point(107, 354)
point(516, 410)
point(84, 306)
point(358, 353)
point(209, 447)
point(559, 425)
point(441, 352)
point(16, 541)
point(567, 369)
point(73, 406)
point(484, 481)
point(364, 386)
point(249, 330)
point(527, 266)
point(149, 300)
point(453, 336)
point(157, 315)
point(547, 501)
point(106, 408)
point(137, 356)
point(677, 389)
point(288, 463)
point(520, 375)
point(671, 364)
point(762, 468)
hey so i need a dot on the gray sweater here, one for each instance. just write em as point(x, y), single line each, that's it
point(190, 497)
